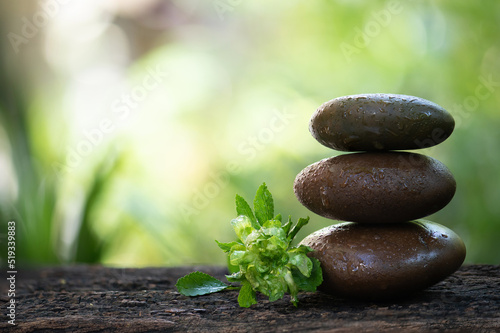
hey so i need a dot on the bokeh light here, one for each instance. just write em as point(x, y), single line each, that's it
point(127, 127)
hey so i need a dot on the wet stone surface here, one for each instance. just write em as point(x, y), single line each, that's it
point(374, 122)
point(380, 187)
point(382, 252)
point(381, 261)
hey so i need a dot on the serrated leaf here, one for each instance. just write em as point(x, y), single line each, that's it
point(263, 204)
point(226, 247)
point(302, 262)
point(300, 223)
point(198, 283)
point(246, 297)
point(316, 277)
point(313, 281)
point(243, 208)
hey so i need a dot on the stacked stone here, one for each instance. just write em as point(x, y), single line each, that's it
point(383, 251)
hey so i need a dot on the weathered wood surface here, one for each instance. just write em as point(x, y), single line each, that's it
point(98, 299)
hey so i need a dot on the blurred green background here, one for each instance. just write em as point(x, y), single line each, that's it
point(127, 127)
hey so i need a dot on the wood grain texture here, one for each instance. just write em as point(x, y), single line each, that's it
point(100, 299)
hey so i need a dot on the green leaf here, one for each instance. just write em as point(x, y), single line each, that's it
point(272, 224)
point(277, 288)
point(300, 223)
point(316, 277)
point(226, 247)
point(242, 227)
point(292, 287)
point(198, 283)
point(232, 268)
point(246, 297)
point(287, 225)
point(263, 204)
point(302, 262)
point(243, 208)
point(236, 257)
point(313, 281)
point(235, 277)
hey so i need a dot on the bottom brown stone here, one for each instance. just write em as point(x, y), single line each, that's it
point(377, 261)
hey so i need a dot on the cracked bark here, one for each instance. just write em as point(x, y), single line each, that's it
point(99, 299)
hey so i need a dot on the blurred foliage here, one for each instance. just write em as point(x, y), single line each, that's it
point(127, 131)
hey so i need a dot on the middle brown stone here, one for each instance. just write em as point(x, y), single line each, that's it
point(383, 187)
